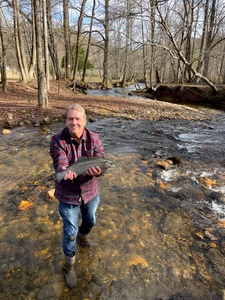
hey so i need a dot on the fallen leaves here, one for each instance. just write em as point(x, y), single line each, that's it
point(25, 205)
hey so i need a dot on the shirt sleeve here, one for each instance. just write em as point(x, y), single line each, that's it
point(99, 147)
point(58, 154)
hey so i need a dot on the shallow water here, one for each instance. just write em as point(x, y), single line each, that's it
point(151, 223)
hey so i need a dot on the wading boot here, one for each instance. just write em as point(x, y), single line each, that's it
point(83, 240)
point(71, 278)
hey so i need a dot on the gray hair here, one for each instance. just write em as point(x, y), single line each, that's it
point(78, 107)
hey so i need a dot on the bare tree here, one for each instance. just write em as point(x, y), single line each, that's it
point(177, 53)
point(79, 28)
point(127, 42)
point(187, 35)
point(105, 81)
point(41, 76)
point(173, 41)
point(67, 60)
point(89, 41)
point(45, 43)
point(3, 58)
point(152, 52)
point(26, 58)
point(51, 44)
point(21, 56)
point(210, 36)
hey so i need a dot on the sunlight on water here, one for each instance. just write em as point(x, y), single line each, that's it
point(219, 210)
point(170, 175)
point(191, 137)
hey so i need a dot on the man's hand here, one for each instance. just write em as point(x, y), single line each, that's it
point(69, 175)
point(94, 171)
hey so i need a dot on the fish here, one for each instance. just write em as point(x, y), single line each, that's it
point(81, 166)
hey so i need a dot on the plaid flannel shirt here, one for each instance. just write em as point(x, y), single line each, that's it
point(64, 151)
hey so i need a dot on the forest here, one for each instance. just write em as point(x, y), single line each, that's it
point(153, 42)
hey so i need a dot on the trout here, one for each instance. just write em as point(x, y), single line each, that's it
point(81, 166)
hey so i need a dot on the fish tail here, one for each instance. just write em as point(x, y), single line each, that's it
point(60, 175)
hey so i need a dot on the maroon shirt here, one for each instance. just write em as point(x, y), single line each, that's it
point(64, 151)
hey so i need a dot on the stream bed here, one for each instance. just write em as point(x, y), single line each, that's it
point(160, 225)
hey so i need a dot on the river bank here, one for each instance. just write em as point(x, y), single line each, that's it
point(18, 107)
point(180, 93)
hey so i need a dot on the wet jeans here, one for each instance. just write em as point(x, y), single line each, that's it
point(69, 214)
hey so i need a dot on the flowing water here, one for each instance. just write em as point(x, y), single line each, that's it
point(160, 232)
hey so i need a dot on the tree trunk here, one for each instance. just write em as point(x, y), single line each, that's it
point(45, 36)
point(188, 17)
point(19, 43)
point(89, 41)
point(67, 60)
point(203, 38)
point(209, 38)
point(42, 89)
point(105, 82)
point(152, 53)
point(51, 45)
point(3, 67)
point(33, 58)
point(79, 25)
point(127, 42)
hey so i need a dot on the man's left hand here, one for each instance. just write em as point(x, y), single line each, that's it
point(94, 171)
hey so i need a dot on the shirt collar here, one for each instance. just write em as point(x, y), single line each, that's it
point(84, 135)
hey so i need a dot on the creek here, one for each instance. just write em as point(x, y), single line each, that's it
point(160, 227)
point(134, 92)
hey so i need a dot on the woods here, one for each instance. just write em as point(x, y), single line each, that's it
point(167, 41)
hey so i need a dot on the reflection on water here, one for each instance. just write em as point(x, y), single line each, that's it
point(149, 223)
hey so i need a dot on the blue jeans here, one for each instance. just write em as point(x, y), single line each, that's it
point(69, 214)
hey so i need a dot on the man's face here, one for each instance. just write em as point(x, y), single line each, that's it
point(75, 122)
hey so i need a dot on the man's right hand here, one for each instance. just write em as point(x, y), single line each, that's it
point(69, 175)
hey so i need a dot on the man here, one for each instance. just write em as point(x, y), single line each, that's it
point(76, 192)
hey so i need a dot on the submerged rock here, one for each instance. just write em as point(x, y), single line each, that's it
point(6, 131)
